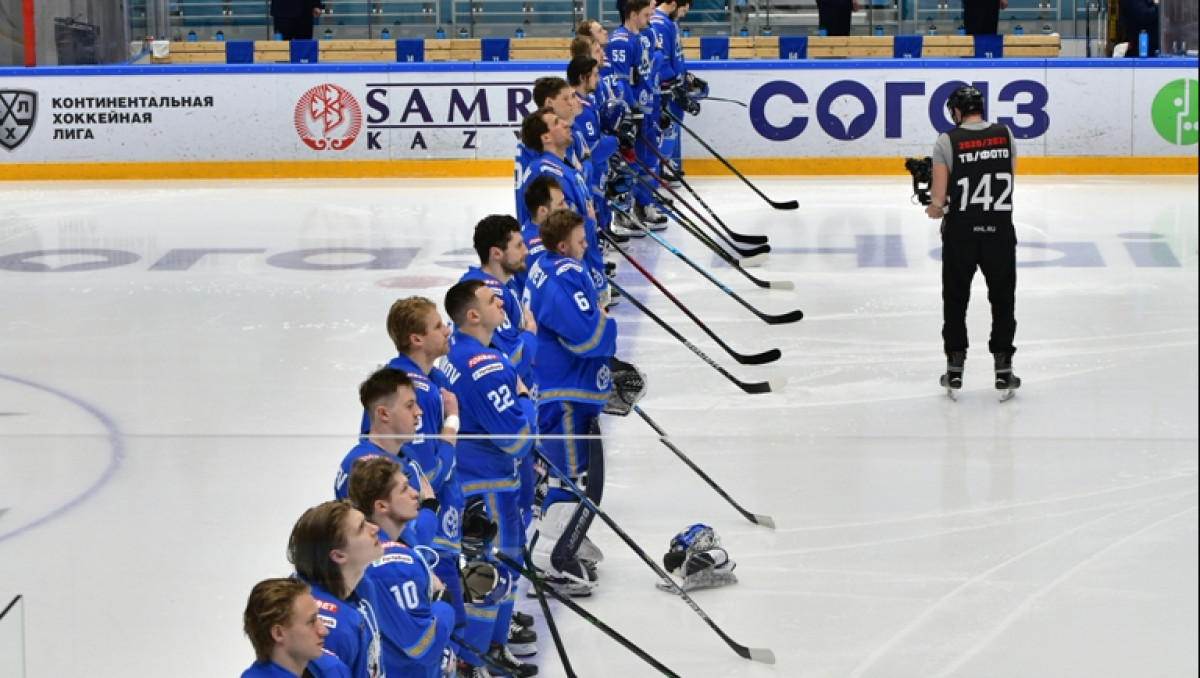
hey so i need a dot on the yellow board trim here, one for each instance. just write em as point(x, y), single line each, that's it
point(448, 169)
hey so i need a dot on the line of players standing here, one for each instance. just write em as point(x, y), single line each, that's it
point(396, 576)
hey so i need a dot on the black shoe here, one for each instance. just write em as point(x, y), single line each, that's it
point(501, 657)
point(1006, 381)
point(522, 641)
point(955, 362)
point(616, 237)
point(525, 620)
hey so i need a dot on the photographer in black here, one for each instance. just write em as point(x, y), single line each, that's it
point(971, 192)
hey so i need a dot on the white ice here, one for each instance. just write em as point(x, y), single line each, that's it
point(161, 430)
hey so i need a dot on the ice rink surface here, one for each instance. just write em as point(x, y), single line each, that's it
point(178, 374)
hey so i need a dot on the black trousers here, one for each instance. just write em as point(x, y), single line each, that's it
point(834, 16)
point(981, 17)
point(294, 28)
point(995, 254)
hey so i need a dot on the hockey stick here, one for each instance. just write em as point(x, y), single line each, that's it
point(748, 387)
point(728, 101)
point(740, 237)
point(539, 589)
point(789, 317)
point(757, 654)
point(774, 284)
point(753, 359)
point(536, 581)
point(483, 656)
point(756, 518)
point(787, 205)
point(761, 248)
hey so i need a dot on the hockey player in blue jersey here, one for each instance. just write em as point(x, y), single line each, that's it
point(416, 644)
point(546, 133)
point(502, 254)
point(636, 62)
point(287, 634)
point(542, 196)
point(665, 24)
point(390, 401)
point(331, 546)
point(576, 341)
point(498, 426)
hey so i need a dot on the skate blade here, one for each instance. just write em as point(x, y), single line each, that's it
point(952, 393)
point(1007, 394)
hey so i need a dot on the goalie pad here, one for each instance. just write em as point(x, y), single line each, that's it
point(698, 560)
point(628, 387)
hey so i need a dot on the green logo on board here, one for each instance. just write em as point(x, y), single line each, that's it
point(1174, 112)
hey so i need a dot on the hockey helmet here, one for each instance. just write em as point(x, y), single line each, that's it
point(483, 583)
point(965, 99)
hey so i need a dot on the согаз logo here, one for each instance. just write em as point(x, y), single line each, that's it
point(328, 117)
point(18, 110)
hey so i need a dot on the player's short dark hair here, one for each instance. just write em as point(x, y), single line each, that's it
point(494, 230)
point(579, 67)
point(548, 87)
point(581, 45)
point(537, 193)
point(461, 298)
point(632, 7)
point(381, 386)
point(557, 228)
point(533, 127)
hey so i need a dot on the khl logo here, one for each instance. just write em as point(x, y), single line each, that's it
point(18, 110)
point(328, 117)
point(1174, 112)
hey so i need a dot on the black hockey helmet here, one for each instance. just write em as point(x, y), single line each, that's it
point(965, 99)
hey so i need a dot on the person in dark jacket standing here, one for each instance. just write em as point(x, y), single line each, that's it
point(982, 17)
point(294, 18)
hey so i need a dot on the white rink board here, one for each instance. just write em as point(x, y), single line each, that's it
point(1095, 108)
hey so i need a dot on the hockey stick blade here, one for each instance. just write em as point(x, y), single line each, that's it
point(752, 359)
point(748, 387)
point(740, 237)
point(675, 213)
point(783, 319)
point(784, 205)
point(758, 519)
point(755, 654)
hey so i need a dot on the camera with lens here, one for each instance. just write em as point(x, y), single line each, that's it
point(921, 170)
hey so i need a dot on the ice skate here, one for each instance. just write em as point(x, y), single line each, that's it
point(952, 379)
point(1007, 383)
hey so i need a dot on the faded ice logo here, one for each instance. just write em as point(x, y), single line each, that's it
point(1173, 112)
point(328, 117)
point(18, 110)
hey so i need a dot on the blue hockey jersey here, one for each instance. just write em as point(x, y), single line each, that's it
point(415, 639)
point(486, 385)
point(635, 62)
point(353, 629)
point(576, 194)
point(575, 339)
point(519, 344)
point(325, 666)
point(421, 530)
